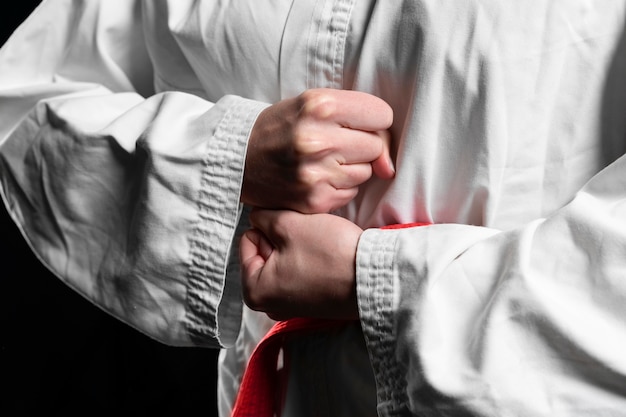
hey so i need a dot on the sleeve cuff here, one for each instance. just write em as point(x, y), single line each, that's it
point(375, 293)
point(213, 292)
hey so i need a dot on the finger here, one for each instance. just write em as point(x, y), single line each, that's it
point(252, 261)
point(353, 109)
point(351, 175)
point(383, 166)
point(356, 146)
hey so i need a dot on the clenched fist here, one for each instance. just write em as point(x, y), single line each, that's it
point(311, 152)
point(300, 265)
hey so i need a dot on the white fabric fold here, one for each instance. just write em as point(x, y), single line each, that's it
point(123, 130)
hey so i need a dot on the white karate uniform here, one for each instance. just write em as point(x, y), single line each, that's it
point(123, 131)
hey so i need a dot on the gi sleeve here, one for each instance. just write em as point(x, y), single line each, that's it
point(465, 320)
point(130, 197)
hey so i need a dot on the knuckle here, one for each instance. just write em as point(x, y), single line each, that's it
point(318, 203)
point(318, 104)
point(306, 143)
point(310, 176)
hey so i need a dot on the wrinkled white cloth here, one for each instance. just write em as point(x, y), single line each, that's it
point(123, 130)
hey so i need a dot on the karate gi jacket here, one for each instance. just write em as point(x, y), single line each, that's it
point(123, 133)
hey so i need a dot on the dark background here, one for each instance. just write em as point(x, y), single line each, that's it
point(60, 355)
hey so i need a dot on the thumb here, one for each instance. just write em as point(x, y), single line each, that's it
point(254, 251)
point(383, 165)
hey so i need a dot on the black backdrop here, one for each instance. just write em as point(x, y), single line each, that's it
point(60, 355)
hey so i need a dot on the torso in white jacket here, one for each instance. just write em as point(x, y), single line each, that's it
point(508, 128)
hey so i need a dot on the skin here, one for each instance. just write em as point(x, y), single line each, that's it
point(309, 154)
point(294, 266)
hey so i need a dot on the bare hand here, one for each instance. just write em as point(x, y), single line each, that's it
point(300, 265)
point(311, 152)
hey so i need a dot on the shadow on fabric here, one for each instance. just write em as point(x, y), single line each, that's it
point(61, 355)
